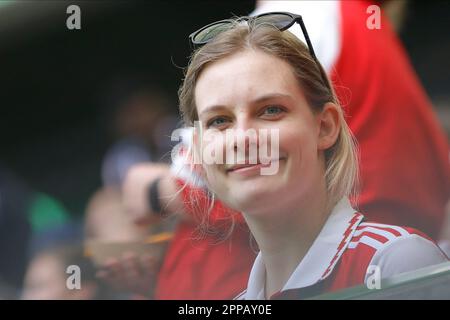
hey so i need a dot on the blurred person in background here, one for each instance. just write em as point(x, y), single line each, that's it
point(106, 224)
point(139, 119)
point(404, 153)
point(106, 221)
point(47, 276)
point(29, 222)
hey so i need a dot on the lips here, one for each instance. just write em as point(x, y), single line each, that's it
point(238, 167)
point(241, 166)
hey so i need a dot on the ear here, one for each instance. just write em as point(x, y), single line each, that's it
point(329, 125)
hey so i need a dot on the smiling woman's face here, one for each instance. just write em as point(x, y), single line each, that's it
point(254, 90)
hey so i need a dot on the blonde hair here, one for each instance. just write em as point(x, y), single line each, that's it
point(341, 162)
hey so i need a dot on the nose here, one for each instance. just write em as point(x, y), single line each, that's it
point(242, 139)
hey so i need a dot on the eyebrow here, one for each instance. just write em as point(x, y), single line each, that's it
point(263, 98)
point(271, 96)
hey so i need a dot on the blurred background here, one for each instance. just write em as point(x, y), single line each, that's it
point(76, 106)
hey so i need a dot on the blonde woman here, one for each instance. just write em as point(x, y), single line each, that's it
point(252, 74)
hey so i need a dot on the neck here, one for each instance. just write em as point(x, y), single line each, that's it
point(284, 238)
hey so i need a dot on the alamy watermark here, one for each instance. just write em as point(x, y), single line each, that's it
point(73, 22)
point(374, 20)
point(373, 277)
point(73, 281)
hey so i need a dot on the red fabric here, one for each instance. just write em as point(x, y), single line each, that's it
point(404, 165)
point(405, 168)
point(200, 269)
point(197, 266)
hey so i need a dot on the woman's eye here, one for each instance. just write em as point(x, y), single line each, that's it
point(272, 110)
point(216, 122)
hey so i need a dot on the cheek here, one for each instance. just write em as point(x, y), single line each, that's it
point(301, 147)
point(296, 139)
point(209, 155)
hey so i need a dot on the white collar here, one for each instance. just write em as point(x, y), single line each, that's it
point(320, 259)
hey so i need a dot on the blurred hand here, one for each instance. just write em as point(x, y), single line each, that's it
point(131, 273)
point(135, 191)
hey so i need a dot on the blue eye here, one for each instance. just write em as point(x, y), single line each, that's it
point(216, 122)
point(272, 110)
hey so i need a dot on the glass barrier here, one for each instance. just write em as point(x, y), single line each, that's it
point(432, 282)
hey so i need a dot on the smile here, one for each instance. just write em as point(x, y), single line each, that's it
point(250, 168)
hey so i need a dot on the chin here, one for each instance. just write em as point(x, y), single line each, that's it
point(252, 194)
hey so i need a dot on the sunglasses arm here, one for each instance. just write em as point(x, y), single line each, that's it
point(308, 41)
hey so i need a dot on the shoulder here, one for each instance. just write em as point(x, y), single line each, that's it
point(241, 296)
point(378, 236)
point(394, 249)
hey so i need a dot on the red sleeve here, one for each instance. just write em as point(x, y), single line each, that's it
point(202, 268)
point(405, 177)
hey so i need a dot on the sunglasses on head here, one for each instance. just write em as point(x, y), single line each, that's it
point(281, 20)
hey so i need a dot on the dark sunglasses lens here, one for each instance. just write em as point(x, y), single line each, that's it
point(211, 32)
point(279, 20)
